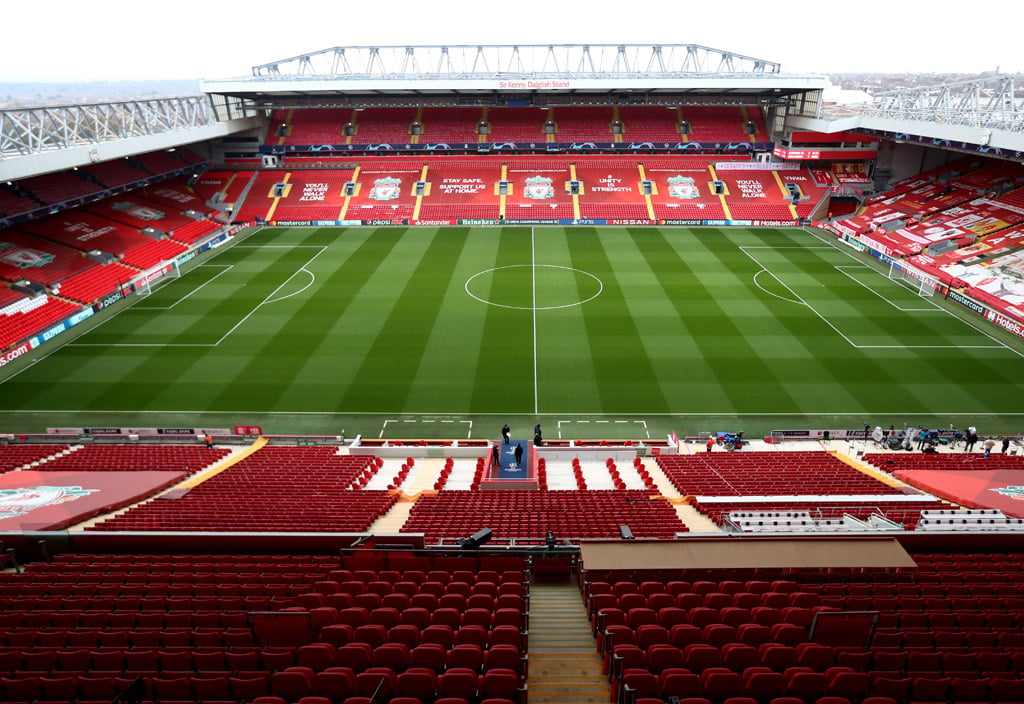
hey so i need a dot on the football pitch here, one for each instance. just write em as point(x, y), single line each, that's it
point(593, 332)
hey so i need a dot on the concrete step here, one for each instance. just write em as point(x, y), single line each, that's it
point(565, 667)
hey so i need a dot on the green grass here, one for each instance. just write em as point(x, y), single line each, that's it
point(613, 332)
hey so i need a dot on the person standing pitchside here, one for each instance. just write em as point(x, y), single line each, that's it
point(506, 433)
point(519, 453)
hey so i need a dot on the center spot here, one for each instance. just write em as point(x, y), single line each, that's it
point(536, 287)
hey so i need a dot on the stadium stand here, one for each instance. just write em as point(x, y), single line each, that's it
point(724, 124)
point(60, 187)
point(113, 174)
point(276, 488)
point(327, 627)
point(95, 282)
point(451, 125)
point(23, 318)
point(222, 186)
point(941, 632)
point(39, 260)
point(135, 458)
point(12, 203)
point(651, 124)
point(516, 125)
point(463, 190)
point(18, 456)
point(523, 514)
point(766, 474)
point(179, 194)
point(384, 125)
point(589, 124)
point(894, 461)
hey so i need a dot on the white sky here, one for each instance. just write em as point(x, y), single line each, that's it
point(136, 40)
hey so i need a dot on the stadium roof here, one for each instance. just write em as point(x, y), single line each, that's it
point(483, 70)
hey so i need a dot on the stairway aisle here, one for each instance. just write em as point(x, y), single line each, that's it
point(564, 667)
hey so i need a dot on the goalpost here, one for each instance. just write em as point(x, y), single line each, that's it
point(158, 274)
point(914, 279)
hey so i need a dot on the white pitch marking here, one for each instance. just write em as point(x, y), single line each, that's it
point(226, 269)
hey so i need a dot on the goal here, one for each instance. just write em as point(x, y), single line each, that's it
point(914, 279)
point(157, 275)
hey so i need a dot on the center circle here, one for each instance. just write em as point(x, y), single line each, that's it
point(534, 287)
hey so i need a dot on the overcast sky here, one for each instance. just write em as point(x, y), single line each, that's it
point(122, 40)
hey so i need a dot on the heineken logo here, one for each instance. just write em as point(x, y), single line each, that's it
point(17, 502)
point(23, 257)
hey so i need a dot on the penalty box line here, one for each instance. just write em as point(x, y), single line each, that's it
point(842, 270)
point(268, 299)
point(850, 342)
point(970, 323)
point(224, 268)
point(643, 423)
point(393, 421)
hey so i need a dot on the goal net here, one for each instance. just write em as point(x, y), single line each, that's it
point(914, 279)
point(156, 277)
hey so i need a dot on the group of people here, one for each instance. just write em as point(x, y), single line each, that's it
point(517, 451)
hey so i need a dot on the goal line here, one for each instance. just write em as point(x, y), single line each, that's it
point(914, 279)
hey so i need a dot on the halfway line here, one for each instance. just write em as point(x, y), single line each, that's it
point(533, 272)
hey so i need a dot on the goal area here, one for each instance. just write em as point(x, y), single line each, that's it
point(914, 279)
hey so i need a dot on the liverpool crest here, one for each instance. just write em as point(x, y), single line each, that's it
point(539, 188)
point(17, 502)
point(387, 188)
point(1013, 492)
point(22, 257)
point(682, 187)
point(138, 211)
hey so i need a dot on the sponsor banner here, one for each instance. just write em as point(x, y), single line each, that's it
point(138, 431)
point(773, 223)
point(583, 222)
point(1009, 324)
point(80, 316)
point(384, 222)
point(968, 303)
point(484, 147)
point(436, 222)
point(479, 222)
point(106, 301)
point(153, 275)
point(290, 223)
point(248, 430)
point(18, 351)
point(538, 221)
point(48, 335)
point(813, 154)
point(729, 223)
point(688, 223)
point(755, 166)
point(187, 257)
point(632, 222)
